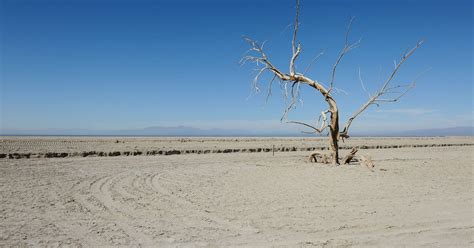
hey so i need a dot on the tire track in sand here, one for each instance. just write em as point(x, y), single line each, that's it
point(117, 210)
point(159, 181)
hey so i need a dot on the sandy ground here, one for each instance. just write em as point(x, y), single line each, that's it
point(415, 197)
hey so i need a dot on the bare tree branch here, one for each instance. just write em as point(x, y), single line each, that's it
point(269, 93)
point(296, 79)
point(384, 90)
point(295, 48)
point(338, 90)
point(316, 130)
point(295, 88)
point(320, 126)
point(257, 77)
point(316, 58)
point(261, 59)
point(404, 57)
point(362, 84)
point(286, 27)
point(295, 25)
point(347, 48)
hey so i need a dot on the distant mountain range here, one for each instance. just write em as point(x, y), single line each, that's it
point(451, 131)
point(191, 131)
point(148, 131)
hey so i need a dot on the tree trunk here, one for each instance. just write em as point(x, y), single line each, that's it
point(334, 132)
point(334, 144)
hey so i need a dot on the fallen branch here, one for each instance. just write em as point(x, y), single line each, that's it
point(317, 157)
point(367, 161)
point(350, 156)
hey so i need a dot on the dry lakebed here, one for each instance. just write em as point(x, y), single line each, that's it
point(224, 191)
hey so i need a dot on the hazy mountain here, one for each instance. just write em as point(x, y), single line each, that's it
point(179, 131)
point(149, 131)
point(191, 131)
point(451, 131)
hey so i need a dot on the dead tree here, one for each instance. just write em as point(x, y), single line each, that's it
point(292, 81)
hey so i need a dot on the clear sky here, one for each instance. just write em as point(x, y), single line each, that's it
point(131, 64)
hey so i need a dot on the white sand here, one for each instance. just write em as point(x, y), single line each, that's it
point(415, 197)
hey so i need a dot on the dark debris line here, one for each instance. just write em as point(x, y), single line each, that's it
point(201, 151)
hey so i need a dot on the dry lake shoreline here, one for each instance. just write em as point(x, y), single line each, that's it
point(17, 147)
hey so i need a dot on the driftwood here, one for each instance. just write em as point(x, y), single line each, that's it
point(350, 156)
point(322, 158)
point(364, 160)
point(367, 161)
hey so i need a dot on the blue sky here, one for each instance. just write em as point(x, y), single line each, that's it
point(132, 64)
